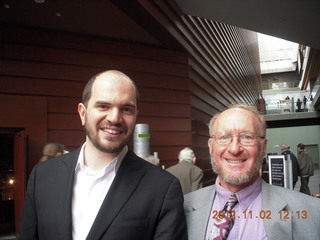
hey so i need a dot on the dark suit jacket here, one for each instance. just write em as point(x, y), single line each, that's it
point(144, 202)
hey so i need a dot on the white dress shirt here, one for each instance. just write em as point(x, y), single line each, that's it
point(89, 191)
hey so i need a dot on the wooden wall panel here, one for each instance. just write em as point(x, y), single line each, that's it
point(170, 138)
point(167, 124)
point(56, 66)
point(63, 121)
point(180, 91)
point(164, 109)
point(164, 95)
point(57, 40)
point(63, 104)
point(68, 137)
point(223, 68)
point(40, 86)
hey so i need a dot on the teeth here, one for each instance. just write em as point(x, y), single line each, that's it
point(111, 131)
point(234, 161)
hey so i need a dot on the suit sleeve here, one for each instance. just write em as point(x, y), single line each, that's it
point(172, 222)
point(196, 180)
point(28, 220)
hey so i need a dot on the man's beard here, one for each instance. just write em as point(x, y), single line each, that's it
point(235, 179)
point(94, 138)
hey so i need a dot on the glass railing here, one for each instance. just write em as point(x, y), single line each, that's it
point(288, 106)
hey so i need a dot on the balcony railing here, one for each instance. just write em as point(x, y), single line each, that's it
point(288, 106)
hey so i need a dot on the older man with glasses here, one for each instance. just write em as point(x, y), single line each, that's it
point(240, 205)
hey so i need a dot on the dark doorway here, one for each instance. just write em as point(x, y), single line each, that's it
point(7, 194)
point(12, 180)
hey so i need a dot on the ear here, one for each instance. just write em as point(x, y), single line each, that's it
point(82, 112)
point(264, 146)
point(210, 143)
point(58, 154)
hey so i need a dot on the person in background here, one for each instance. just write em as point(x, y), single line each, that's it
point(51, 150)
point(305, 100)
point(299, 103)
point(103, 190)
point(189, 175)
point(285, 150)
point(241, 205)
point(306, 168)
point(152, 159)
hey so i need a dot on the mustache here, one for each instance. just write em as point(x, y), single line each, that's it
point(109, 124)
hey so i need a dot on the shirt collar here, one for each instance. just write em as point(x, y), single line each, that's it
point(245, 196)
point(114, 164)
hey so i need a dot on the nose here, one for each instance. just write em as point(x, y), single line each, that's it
point(114, 116)
point(235, 147)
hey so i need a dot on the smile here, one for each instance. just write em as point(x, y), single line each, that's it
point(235, 161)
point(112, 131)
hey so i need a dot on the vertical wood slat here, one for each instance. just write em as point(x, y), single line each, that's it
point(220, 67)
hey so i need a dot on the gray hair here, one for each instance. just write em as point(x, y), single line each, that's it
point(186, 154)
point(152, 159)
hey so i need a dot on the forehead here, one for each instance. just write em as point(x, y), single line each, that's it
point(113, 87)
point(236, 120)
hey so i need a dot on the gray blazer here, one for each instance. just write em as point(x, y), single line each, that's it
point(189, 175)
point(198, 205)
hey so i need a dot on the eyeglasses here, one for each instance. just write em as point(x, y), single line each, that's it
point(245, 138)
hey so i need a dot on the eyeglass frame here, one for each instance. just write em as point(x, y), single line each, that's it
point(239, 139)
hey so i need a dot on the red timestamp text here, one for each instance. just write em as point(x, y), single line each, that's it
point(263, 214)
point(303, 214)
point(245, 214)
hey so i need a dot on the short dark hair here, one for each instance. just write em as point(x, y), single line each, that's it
point(86, 95)
point(301, 146)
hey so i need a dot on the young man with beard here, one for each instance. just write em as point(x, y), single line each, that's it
point(240, 205)
point(103, 190)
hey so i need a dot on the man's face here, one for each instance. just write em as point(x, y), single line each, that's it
point(237, 165)
point(110, 117)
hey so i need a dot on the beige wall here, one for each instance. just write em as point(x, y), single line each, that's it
point(292, 136)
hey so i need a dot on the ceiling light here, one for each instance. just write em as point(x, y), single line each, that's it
point(39, 1)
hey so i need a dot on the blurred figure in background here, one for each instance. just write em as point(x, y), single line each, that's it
point(285, 149)
point(152, 159)
point(189, 175)
point(51, 150)
point(306, 168)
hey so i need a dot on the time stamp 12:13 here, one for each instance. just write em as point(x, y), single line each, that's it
point(303, 214)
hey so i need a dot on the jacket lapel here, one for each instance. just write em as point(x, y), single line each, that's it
point(126, 181)
point(275, 227)
point(198, 214)
point(64, 190)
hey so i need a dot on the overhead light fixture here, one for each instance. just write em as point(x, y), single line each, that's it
point(39, 1)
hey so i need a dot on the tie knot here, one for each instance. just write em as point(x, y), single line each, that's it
point(232, 201)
